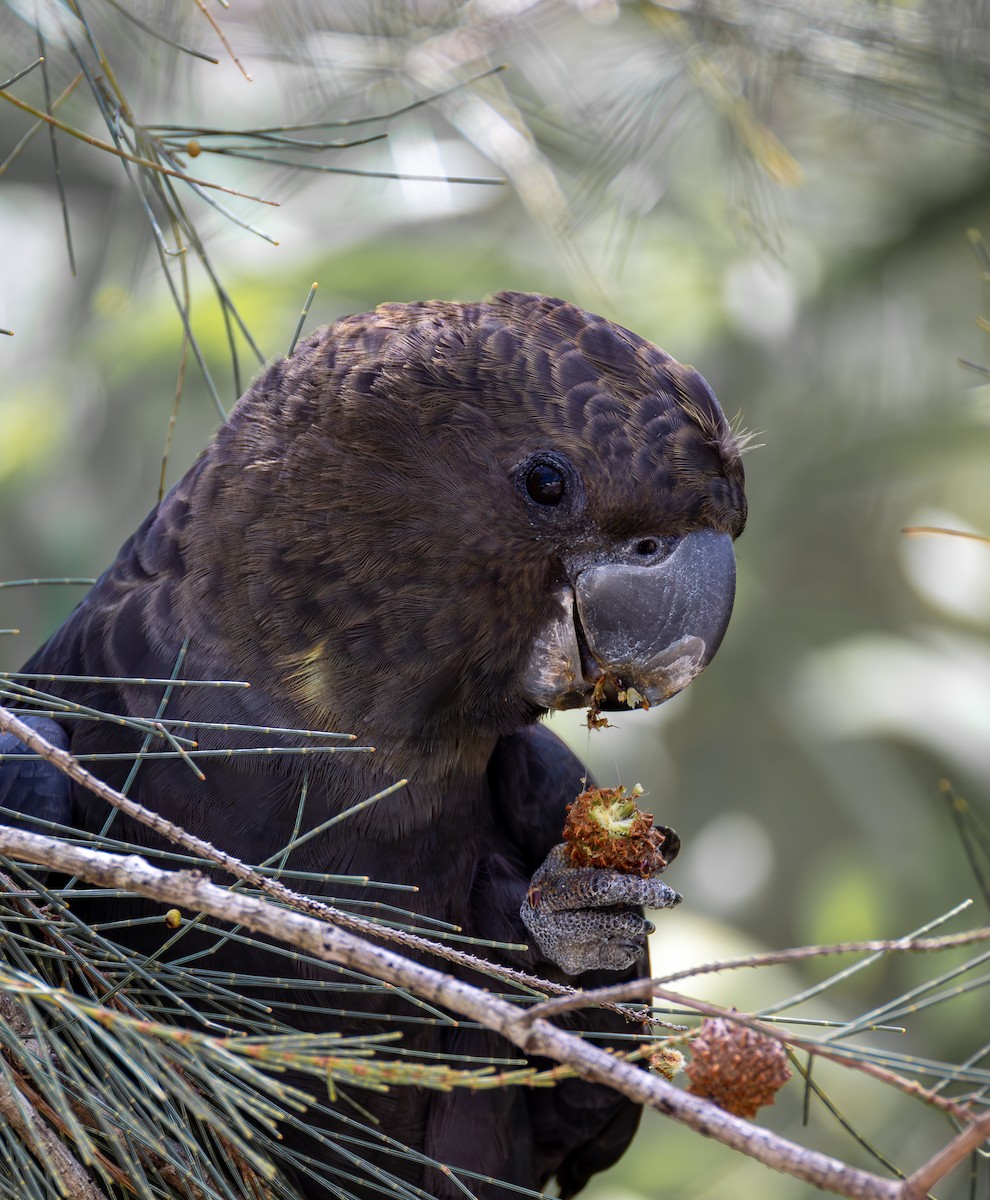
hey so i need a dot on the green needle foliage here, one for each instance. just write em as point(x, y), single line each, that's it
point(571, 143)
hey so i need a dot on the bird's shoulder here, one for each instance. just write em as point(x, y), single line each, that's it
point(533, 775)
point(33, 792)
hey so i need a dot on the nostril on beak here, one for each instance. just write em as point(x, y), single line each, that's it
point(649, 549)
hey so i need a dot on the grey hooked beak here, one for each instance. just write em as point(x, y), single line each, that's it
point(628, 633)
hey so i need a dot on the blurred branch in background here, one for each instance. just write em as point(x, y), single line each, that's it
point(571, 141)
point(155, 156)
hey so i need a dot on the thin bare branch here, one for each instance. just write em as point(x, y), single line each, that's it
point(644, 988)
point(55, 105)
point(220, 34)
point(918, 1185)
point(938, 529)
point(846, 1058)
point(795, 954)
point(20, 74)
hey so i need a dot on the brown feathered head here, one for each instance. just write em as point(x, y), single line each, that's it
point(441, 519)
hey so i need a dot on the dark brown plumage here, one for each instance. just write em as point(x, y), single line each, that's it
point(427, 526)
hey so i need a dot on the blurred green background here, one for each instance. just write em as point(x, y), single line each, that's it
point(779, 194)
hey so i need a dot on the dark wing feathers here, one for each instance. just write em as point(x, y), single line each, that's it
point(533, 777)
point(31, 790)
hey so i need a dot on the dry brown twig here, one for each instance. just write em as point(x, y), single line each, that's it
point(530, 1030)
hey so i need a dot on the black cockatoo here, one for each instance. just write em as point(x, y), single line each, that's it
point(428, 526)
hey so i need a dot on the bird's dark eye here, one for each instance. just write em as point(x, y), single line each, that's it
point(550, 486)
point(545, 483)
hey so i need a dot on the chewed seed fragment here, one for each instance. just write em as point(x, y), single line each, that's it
point(606, 828)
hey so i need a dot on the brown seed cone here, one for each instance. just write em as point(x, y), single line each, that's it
point(605, 828)
point(737, 1068)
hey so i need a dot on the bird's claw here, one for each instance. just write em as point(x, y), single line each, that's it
point(587, 918)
